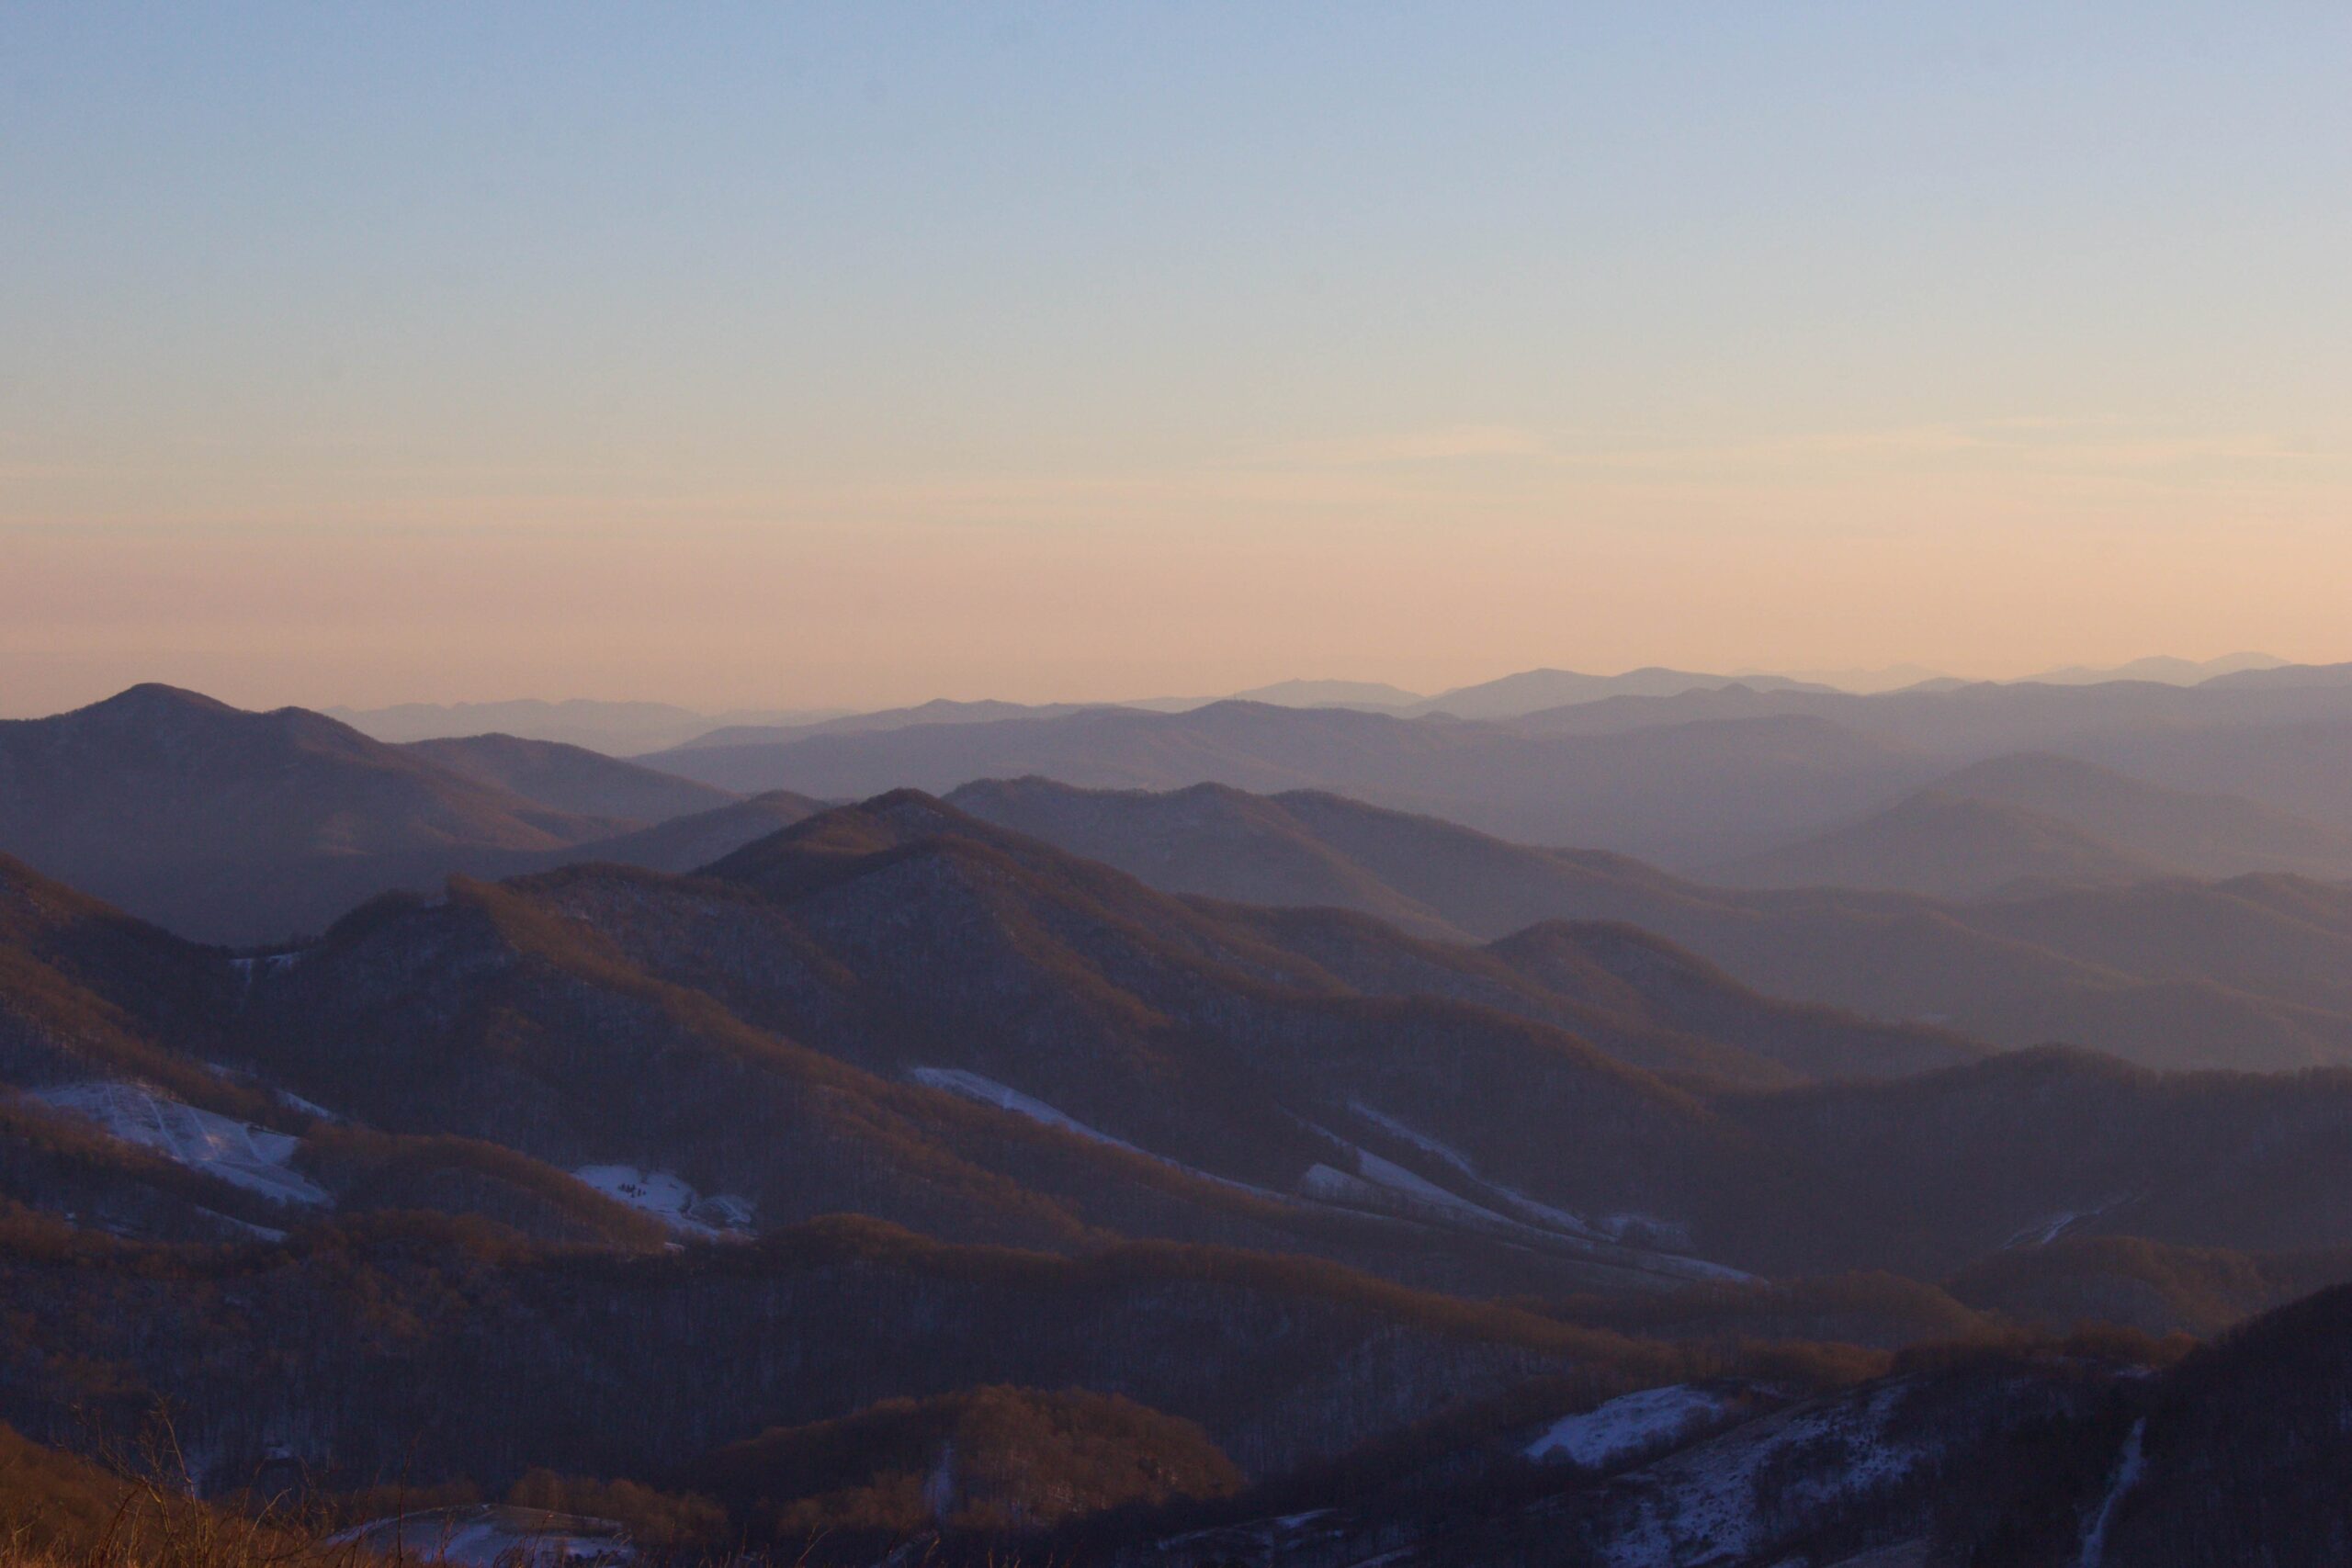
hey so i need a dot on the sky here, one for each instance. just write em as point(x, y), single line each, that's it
point(815, 355)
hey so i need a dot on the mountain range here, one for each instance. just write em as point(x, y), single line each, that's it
point(1704, 778)
point(619, 728)
point(2173, 973)
point(246, 828)
point(1393, 1190)
point(901, 1010)
point(630, 727)
point(1170, 1123)
point(2035, 820)
point(2035, 897)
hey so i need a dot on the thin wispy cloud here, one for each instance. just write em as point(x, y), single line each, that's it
point(1437, 445)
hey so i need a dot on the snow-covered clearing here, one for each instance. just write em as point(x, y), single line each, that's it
point(1702, 1504)
point(1627, 1425)
point(236, 1152)
point(670, 1199)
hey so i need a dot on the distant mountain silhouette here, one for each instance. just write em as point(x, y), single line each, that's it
point(250, 827)
point(2170, 671)
point(1373, 694)
point(1686, 793)
point(1866, 680)
point(2283, 743)
point(2285, 677)
point(160, 799)
point(570, 778)
point(1532, 691)
point(2194, 834)
point(940, 710)
point(2249, 972)
point(615, 729)
point(1946, 846)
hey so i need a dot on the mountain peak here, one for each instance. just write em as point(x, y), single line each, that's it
point(150, 698)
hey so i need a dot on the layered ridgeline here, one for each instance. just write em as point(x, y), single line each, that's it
point(469, 1169)
point(2028, 822)
point(630, 728)
point(2253, 972)
point(900, 1009)
point(1691, 792)
point(253, 826)
point(621, 729)
point(2245, 777)
point(250, 827)
point(1512, 695)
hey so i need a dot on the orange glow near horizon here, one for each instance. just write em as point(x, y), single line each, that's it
point(807, 357)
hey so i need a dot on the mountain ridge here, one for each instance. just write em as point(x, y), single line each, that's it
point(2254, 988)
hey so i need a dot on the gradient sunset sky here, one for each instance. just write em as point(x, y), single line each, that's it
point(859, 353)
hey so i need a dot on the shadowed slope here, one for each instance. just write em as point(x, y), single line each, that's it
point(570, 778)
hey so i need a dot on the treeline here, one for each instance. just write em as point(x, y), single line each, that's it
point(405, 1347)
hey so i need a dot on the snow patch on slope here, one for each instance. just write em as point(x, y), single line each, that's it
point(1639, 1231)
point(1627, 1425)
point(2050, 1228)
point(1004, 1097)
point(236, 1152)
point(987, 1091)
point(1526, 1208)
point(1706, 1504)
point(293, 1101)
point(1420, 1191)
point(670, 1199)
point(2128, 1467)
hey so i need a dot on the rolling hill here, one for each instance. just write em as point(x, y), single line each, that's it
point(1946, 846)
point(248, 827)
point(569, 778)
point(900, 1010)
point(1385, 1218)
point(1692, 793)
point(2032, 820)
point(2245, 973)
point(190, 811)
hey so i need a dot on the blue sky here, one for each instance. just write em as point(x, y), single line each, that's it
point(860, 352)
